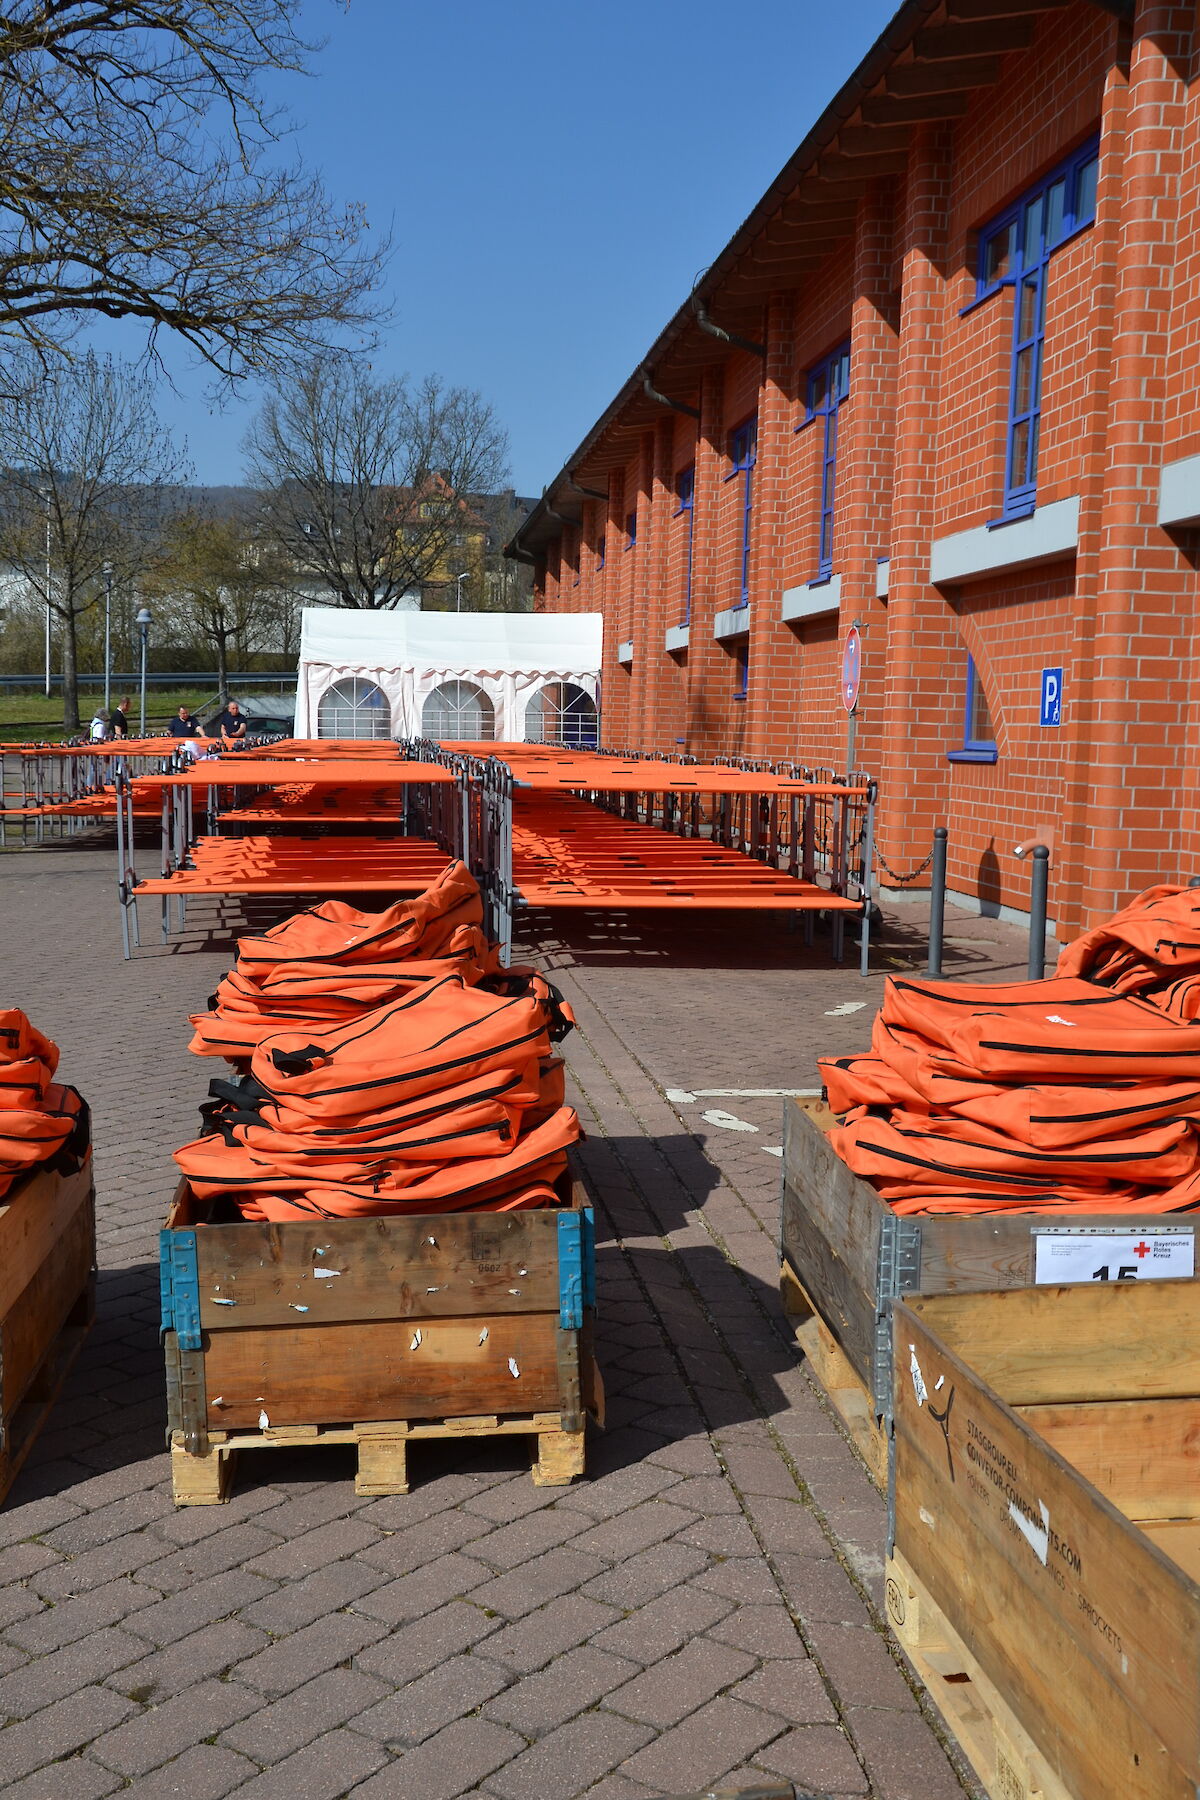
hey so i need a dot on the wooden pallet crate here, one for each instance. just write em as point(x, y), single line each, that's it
point(47, 1300)
point(376, 1332)
point(846, 1256)
point(1043, 1578)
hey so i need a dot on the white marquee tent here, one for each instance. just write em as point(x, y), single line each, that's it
point(510, 677)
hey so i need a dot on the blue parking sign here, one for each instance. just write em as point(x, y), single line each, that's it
point(1052, 690)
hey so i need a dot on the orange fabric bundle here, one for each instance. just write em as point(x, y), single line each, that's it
point(1079, 1091)
point(40, 1121)
point(393, 1066)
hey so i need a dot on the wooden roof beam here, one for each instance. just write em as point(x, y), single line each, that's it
point(861, 168)
point(871, 140)
point(907, 80)
point(919, 109)
point(983, 37)
point(1000, 9)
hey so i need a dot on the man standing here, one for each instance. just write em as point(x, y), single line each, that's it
point(228, 725)
point(120, 718)
point(183, 725)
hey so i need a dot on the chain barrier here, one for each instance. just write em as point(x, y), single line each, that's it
point(893, 875)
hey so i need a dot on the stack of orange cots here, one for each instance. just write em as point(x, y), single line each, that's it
point(40, 1121)
point(1079, 1091)
point(388, 1064)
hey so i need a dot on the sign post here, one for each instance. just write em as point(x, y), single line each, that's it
point(851, 681)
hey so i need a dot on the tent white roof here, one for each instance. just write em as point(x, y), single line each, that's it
point(547, 644)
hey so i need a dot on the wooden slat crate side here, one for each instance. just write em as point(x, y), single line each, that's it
point(1089, 1632)
point(261, 1274)
point(1143, 1455)
point(835, 1289)
point(36, 1315)
point(1128, 1340)
point(33, 1216)
point(324, 1374)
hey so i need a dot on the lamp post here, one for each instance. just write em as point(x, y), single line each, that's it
point(145, 619)
point(46, 498)
point(460, 579)
point(108, 637)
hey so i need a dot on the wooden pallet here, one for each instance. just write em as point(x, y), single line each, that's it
point(206, 1479)
point(1003, 1755)
point(845, 1390)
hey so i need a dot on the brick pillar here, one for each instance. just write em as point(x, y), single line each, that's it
point(771, 642)
point(1145, 595)
point(863, 494)
point(914, 739)
point(659, 680)
point(707, 662)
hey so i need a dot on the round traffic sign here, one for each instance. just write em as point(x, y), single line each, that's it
point(851, 669)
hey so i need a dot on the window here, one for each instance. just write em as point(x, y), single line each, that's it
point(741, 670)
point(601, 547)
point(828, 386)
point(979, 734)
point(562, 713)
point(743, 450)
point(685, 493)
point(458, 711)
point(1015, 251)
point(354, 708)
point(631, 530)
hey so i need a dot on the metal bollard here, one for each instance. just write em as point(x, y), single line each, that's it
point(937, 900)
point(1039, 880)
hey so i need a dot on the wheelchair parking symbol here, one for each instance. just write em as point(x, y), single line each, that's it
point(1052, 688)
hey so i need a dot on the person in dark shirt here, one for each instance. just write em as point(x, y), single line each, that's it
point(183, 725)
point(228, 725)
point(119, 723)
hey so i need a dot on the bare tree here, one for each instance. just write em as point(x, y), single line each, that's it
point(86, 485)
point(215, 581)
point(142, 178)
point(365, 483)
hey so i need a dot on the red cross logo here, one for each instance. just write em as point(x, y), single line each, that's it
point(1142, 1249)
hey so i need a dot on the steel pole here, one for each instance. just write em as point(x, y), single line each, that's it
point(108, 637)
point(48, 577)
point(145, 636)
point(937, 901)
point(1039, 882)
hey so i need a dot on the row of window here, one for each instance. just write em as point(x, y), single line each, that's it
point(460, 711)
point(1015, 251)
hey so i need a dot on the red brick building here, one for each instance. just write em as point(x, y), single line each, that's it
point(941, 384)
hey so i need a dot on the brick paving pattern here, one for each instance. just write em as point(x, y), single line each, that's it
point(703, 1607)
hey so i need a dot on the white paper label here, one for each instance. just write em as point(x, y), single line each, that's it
point(1100, 1253)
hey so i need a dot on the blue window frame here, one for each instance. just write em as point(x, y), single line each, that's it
point(828, 385)
point(979, 734)
point(631, 529)
point(685, 494)
point(743, 453)
point(741, 669)
point(1015, 251)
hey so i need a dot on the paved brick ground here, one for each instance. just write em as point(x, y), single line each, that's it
point(703, 1607)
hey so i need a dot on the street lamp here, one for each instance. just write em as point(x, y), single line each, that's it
point(108, 637)
point(460, 579)
point(46, 499)
point(145, 619)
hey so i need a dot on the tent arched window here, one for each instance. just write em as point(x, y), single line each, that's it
point(562, 713)
point(354, 708)
point(458, 711)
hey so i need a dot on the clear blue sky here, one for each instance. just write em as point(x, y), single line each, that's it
point(554, 174)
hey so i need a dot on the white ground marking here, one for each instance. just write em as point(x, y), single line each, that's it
point(845, 1009)
point(689, 1096)
point(726, 1121)
point(772, 1149)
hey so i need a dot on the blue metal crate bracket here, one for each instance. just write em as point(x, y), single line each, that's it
point(576, 1267)
point(179, 1282)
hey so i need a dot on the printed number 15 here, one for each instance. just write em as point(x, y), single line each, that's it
point(1125, 1272)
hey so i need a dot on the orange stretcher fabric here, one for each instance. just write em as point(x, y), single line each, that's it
point(1080, 1091)
point(40, 1120)
point(447, 1096)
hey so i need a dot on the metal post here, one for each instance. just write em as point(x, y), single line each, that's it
point(868, 860)
point(937, 901)
point(108, 647)
point(142, 717)
point(1039, 882)
point(46, 495)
